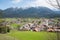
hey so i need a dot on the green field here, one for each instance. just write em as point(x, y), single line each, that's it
point(27, 35)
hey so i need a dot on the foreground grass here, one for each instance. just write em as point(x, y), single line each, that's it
point(6, 37)
point(27, 35)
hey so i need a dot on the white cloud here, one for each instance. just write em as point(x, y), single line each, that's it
point(16, 1)
point(40, 3)
point(31, 3)
point(37, 3)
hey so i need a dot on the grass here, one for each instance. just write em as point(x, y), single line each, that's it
point(6, 37)
point(16, 25)
point(27, 35)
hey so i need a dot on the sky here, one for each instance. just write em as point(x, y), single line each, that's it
point(4, 4)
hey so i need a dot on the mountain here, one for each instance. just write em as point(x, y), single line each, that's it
point(30, 12)
point(1, 13)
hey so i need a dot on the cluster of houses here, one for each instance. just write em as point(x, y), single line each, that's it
point(36, 25)
point(45, 25)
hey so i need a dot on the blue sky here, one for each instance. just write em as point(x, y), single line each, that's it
point(23, 3)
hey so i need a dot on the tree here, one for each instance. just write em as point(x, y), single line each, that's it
point(3, 27)
point(54, 3)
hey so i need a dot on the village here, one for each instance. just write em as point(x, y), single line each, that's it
point(37, 25)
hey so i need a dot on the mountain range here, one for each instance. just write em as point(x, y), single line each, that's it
point(30, 12)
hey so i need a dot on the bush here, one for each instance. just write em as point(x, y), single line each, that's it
point(4, 29)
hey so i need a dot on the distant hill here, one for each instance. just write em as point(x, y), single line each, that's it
point(1, 13)
point(30, 12)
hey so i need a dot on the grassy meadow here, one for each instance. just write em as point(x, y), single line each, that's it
point(28, 35)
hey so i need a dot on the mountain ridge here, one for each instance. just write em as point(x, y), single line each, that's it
point(30, 12)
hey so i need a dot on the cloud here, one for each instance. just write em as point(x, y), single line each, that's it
point(40, 3)
point(31, 3)
point(16, 1)
point(37, 3)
